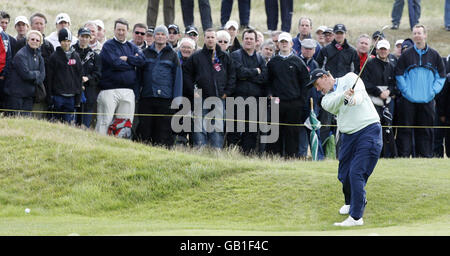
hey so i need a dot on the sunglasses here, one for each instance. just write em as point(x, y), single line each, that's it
point(223, 42)
point(173, 32)
point(139, 33)
point(35, 40)
point(192, 34)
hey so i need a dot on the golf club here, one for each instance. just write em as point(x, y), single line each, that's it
point(365, 62)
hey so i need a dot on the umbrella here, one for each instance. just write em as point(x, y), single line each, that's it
point(313, 124)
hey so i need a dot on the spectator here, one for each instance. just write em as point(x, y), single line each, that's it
point(62, 21)
point(398, 48)
point(216, 78)
point(161, 82)
point(244, 12)
point(94, 43)
point(362, 48)
point(329, 36)
point(101, 32)
point(286, 8)
point(320, 36)
point(379, 80)
point(187, 9)
point(447, 15)
point(119, 59)
point(288, 76)
point(149, 38)
point(251, 81)
point(174, 35)
point(139, 31)
point(27, 71)
point(443, 115)
point(307, 55)
point(168, 10)
point(304, 28)
point(223, 39)
point(274, 36)
point(233, 28)
point(5, 55)
point(65, 78)
point(413, 10)
point(22, 26)
point(376, 37)
point(267, 50)
point(339, 57)
point(259, 41)
point(91, 72)
point(420, 75)
point(10, 40)
point(192, 33)
point(185, 48)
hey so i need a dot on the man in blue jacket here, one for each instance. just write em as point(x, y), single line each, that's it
point(118, 81)
point(160, 82)
point(420, 75)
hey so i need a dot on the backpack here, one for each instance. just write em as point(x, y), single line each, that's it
point(121, 128)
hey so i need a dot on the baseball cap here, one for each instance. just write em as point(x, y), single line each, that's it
point(231, 23)
point(151, 30)
point(174, 26)
point(383, 44)
point(21, 19)
point(377, 34)
point(321, 28)
point(339, 28)
point(100, 23)
point(328, 30)
point(309, 43)
point(285, 36)
point(84, 31)
point(407, 43)
point(64, 34)
point(315, 74)
point(190, 29)
point(62, 17)
point(400, 41)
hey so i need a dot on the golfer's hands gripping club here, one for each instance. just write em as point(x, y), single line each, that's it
point(349, 99)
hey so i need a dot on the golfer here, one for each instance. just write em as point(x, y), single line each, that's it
point(360, 135)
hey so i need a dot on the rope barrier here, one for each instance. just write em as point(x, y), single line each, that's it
point(209, 118)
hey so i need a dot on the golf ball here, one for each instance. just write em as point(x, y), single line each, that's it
point(27, 210)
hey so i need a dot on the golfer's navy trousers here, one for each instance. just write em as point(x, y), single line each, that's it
point(358, 156)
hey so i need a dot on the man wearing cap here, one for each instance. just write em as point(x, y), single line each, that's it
point(420, 75)
point(329, 36)
point(251, 81)
point(149, 38)
point(21, 25)
point(379, 79)
point(361, 142)
point(161, 82)
point(187, 9)
point(233, 28)
point(398, 48)
point(101, 32)
point(339, 57)
point(62, 21)
point(94, 44)
point(192, 33)
point(304, 28)
point(307, 52)
point(320, 36)
point(139, 31)
point(244, 12)
point(118, 83)
point(91, 72)
point(174, 35)
point(211, 70)
point(287, 79)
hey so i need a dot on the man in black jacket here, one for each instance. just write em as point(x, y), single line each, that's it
point(91, 73)
point(442, 138)
point(251, 81)
point(288, 76)
point(65, 78)
point(212, 71)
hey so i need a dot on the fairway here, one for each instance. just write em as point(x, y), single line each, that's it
point(77, 182)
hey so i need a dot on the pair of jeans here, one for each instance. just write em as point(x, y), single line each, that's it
point(447, 13)
point(244, 11)
point(65, 105)
point(286, 7)
point(187, 9)
point(209, 126)
point(414, 11)
point(168, 10)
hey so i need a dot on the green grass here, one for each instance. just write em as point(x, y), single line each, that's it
point(359, 16)
point(76, 181)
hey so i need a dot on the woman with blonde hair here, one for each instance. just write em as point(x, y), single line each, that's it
point(223, 39)
point(26, 73)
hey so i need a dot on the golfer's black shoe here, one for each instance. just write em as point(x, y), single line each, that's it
point(395, 26)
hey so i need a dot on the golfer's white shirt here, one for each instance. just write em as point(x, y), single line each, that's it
point(350, 118)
